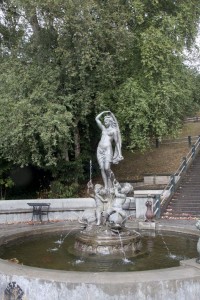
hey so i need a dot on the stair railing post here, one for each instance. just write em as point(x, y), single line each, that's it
point(198, 144)
point(184, 163)
point(157, 143)
point(173, 182)
point(157, 199)
point(193, 150)
point(189, 140)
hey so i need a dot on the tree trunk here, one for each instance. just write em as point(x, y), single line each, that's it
point(77, 149)
point(66, 153)
point(34, 24)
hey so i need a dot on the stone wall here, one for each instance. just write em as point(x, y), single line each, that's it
point(12, 211)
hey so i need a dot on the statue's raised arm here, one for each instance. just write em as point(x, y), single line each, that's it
point(99, 123)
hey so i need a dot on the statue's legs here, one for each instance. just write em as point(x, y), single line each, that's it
point(98, 216)
point(104, 177)
point(109, 176)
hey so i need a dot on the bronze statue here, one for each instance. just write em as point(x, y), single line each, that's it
point(105, 156)
point(149, 213)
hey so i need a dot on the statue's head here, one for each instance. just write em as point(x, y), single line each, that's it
point(109, 121)
point(116, 184)
point(127, 188)
point(148, 203)
point(97, 187)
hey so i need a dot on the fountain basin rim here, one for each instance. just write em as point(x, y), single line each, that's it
point(8, 268)
point(174, 273)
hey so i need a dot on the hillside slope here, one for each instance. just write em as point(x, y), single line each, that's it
point(163, 160)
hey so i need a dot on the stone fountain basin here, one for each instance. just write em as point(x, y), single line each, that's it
point(181, 282)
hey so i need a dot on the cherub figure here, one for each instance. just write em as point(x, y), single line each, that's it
point(118, 201)
point(98, 193)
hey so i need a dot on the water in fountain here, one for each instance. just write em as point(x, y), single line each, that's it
point(60, 241)
point(34, 252)
point(172, 256)
point(122, 247)
point(165, 244)
point(125, 260)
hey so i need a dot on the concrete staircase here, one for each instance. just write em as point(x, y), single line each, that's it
point(185, 204)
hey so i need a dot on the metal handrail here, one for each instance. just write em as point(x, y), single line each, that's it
point(187, 139)
point(192, 119)
point(156, 211)
point(180, 170)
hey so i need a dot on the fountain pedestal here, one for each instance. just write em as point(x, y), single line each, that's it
point(105, 241)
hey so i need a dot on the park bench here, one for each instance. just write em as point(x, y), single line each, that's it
point(40, 210)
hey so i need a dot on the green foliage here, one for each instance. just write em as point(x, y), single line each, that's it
point(60, 190)
point(155, 109)
point(5, 183)
point(64, 61)
point(68, 172)
point(34, 123)
point(5, 180)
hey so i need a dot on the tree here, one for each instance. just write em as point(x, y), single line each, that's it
point(64, 61)
point(34, 124)
point(161, 93)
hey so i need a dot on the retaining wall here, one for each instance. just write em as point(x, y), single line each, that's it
point(12, 211)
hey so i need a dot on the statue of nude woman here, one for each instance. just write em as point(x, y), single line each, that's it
point(105, 154)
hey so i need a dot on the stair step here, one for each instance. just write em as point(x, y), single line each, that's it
point(184, 206)
point(192, 211)
point(180, 217)
point(186, 201)
point(181, 214)
point(189, 196)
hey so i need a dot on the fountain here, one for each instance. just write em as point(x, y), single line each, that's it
point(103, 234)
point(104, 229)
